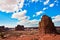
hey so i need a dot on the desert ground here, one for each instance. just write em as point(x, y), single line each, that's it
point(32, 34)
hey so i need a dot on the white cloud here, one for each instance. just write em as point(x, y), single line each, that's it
point(9, 25)
point(34, 0)
point(10, 5)
point(20, 15)
point(56, 1)
point(21, 3)
point(24, 20)
point(38, 13)
point(34, 15)
point(29, 23)
point(56, 18)
point(27, 4)
point(46, 2)
point(51, 5)
point(57, 23)
point(40, 0)
point(7, 8)
point(45, 8)
point(8, 2)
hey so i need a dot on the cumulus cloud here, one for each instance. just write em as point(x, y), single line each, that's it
point(10, 5)
point(38, 13)
point(46, 2)
point(45, 8)
point(57, 23)
point(20, 3)
point(51, 5)
point(20, 15)
point(56, 18)
point(24, 20)
point(8, 1)
point(29, 23)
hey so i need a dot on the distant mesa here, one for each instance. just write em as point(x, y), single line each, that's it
point(2, 28)
point(19, 28)
point(46, 26)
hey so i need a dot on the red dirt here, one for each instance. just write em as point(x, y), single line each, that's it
point(34, 37)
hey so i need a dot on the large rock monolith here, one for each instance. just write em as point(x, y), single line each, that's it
point(46, 26)
point(19, 28)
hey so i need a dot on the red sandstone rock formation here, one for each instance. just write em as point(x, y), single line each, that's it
point(46, 26)
point(19, 27)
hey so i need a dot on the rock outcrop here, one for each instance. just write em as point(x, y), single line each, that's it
point(2, 28)
point(46, 26)
point(19, 27)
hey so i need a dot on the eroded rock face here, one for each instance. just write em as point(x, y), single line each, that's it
point(46, 26)
point(19, 27)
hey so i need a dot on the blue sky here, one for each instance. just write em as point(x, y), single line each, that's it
point(28, 12)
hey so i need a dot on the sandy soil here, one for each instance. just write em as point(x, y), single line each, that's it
point(33, 37)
